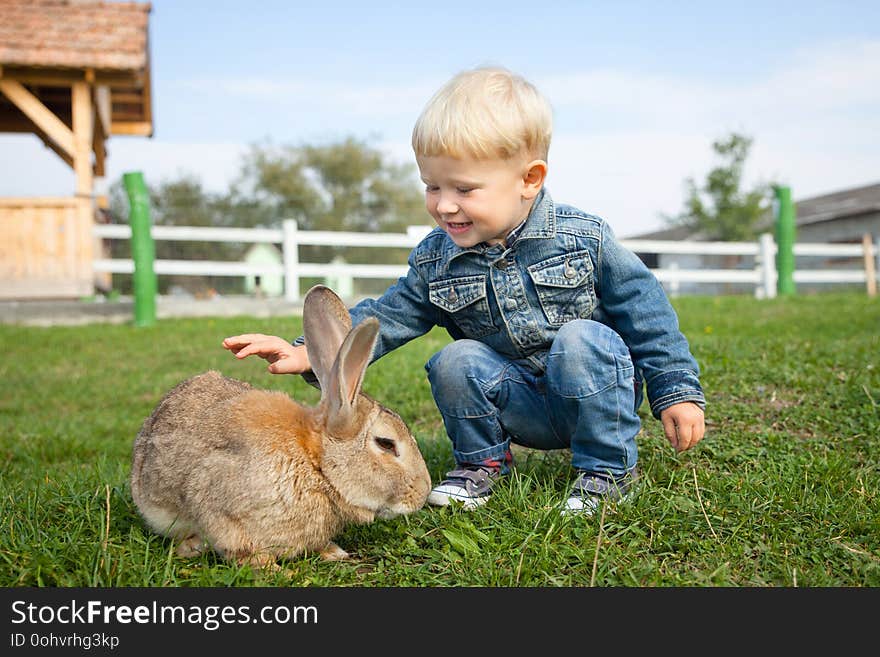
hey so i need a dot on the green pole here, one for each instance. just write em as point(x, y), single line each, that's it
point(143, 250)
point(785, 237)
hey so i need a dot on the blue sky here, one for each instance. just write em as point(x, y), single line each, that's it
point(639, 90)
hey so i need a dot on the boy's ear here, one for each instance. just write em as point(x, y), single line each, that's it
point(533, 178)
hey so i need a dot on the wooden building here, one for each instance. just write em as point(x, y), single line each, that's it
point(73, 73)
point(841, 217)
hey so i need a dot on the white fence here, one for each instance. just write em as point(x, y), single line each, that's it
point(762, 277)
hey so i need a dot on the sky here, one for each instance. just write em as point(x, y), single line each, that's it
point(639, 90)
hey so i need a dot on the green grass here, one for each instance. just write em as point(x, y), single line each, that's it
point(783, 491)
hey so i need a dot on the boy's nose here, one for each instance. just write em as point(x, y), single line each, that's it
point(445, 205)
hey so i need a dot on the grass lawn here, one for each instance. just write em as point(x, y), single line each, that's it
point(782, 492)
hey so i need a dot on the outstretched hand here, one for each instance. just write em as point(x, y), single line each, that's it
point(684, 425)
point(283, 357)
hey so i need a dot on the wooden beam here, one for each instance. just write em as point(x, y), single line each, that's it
point(870, 271)
point(64, 78)
point(21, 123)
point(139, 128)
point(51, 144)
point(42, 117)
point(103, 120)
point(100, 149)
point(103, 106)
point(83, 132)
point(147, 88)
point(128, 97)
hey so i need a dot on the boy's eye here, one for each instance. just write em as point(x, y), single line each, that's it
point(431, 188)
point(464, 190)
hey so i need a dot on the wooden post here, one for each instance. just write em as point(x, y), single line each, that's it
point(767, 250)
point(786, 230)
point(290, 256)
point(675, 283)
point(143, 249)
point(83, 133)
point(870, 271)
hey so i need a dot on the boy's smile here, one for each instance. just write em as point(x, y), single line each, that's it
point(477, 201)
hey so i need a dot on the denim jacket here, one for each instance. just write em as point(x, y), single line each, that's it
point(565, 264)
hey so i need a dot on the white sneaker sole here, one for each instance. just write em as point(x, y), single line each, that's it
point(445, 498)
point(576, 506)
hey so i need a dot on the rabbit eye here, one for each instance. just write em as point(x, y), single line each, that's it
point(386, 444)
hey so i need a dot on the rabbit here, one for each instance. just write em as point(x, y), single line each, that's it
point(257, 476)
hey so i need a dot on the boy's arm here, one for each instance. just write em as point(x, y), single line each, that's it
point(403, 310)
point(283, 357)
point(641, 312)
point(402, 317)
point(683, 424)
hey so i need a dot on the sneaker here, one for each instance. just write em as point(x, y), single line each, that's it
point(469, 485)
point(590, 490)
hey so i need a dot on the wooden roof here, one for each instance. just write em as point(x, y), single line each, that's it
point(843, 204)
point(838, 205)
point(47, 45)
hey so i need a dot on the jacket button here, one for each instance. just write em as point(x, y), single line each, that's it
point(502, 264)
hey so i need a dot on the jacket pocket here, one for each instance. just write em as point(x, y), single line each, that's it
point(464, 300)
point(565, 287)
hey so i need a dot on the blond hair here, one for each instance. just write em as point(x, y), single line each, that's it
point(484, 113)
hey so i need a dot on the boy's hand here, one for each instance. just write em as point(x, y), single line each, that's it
point(684, 425)
point(283, 357)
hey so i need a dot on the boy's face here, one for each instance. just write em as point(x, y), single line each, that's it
point(477, 200)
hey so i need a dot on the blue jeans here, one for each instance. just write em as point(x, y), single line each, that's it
point(586, 400)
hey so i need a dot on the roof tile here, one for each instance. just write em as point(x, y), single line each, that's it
point(74, 34)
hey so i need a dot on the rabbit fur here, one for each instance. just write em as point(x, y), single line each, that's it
point(256, 476)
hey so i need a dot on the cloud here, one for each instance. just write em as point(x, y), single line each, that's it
point(363, 99)
point(213, 164)
point(813, 121)
point(833, 77)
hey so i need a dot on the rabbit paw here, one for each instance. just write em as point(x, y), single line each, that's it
point(191, 546)
point(260, 560)
point(334, 553)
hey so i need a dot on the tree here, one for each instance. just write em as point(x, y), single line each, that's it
point(348, 185)
point(719, 210)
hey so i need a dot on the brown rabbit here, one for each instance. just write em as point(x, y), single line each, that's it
point(255, 476)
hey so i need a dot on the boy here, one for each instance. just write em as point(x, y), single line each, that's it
point(555, 326)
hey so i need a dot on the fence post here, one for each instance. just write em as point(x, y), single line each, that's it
point(675, 283)
point(870, 271)
point(785, 236)
point(766, 248)
point(290, 254)
point(341, 283)
point(877, 256)
point(143, 249)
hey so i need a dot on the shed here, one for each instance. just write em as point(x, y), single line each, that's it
point(841, 217)
point(73, 73)
point(271, 285)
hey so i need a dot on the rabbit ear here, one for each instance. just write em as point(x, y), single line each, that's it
point(347, 376)
point(326, 322)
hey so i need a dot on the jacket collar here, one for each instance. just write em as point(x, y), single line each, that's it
point(541, 222)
